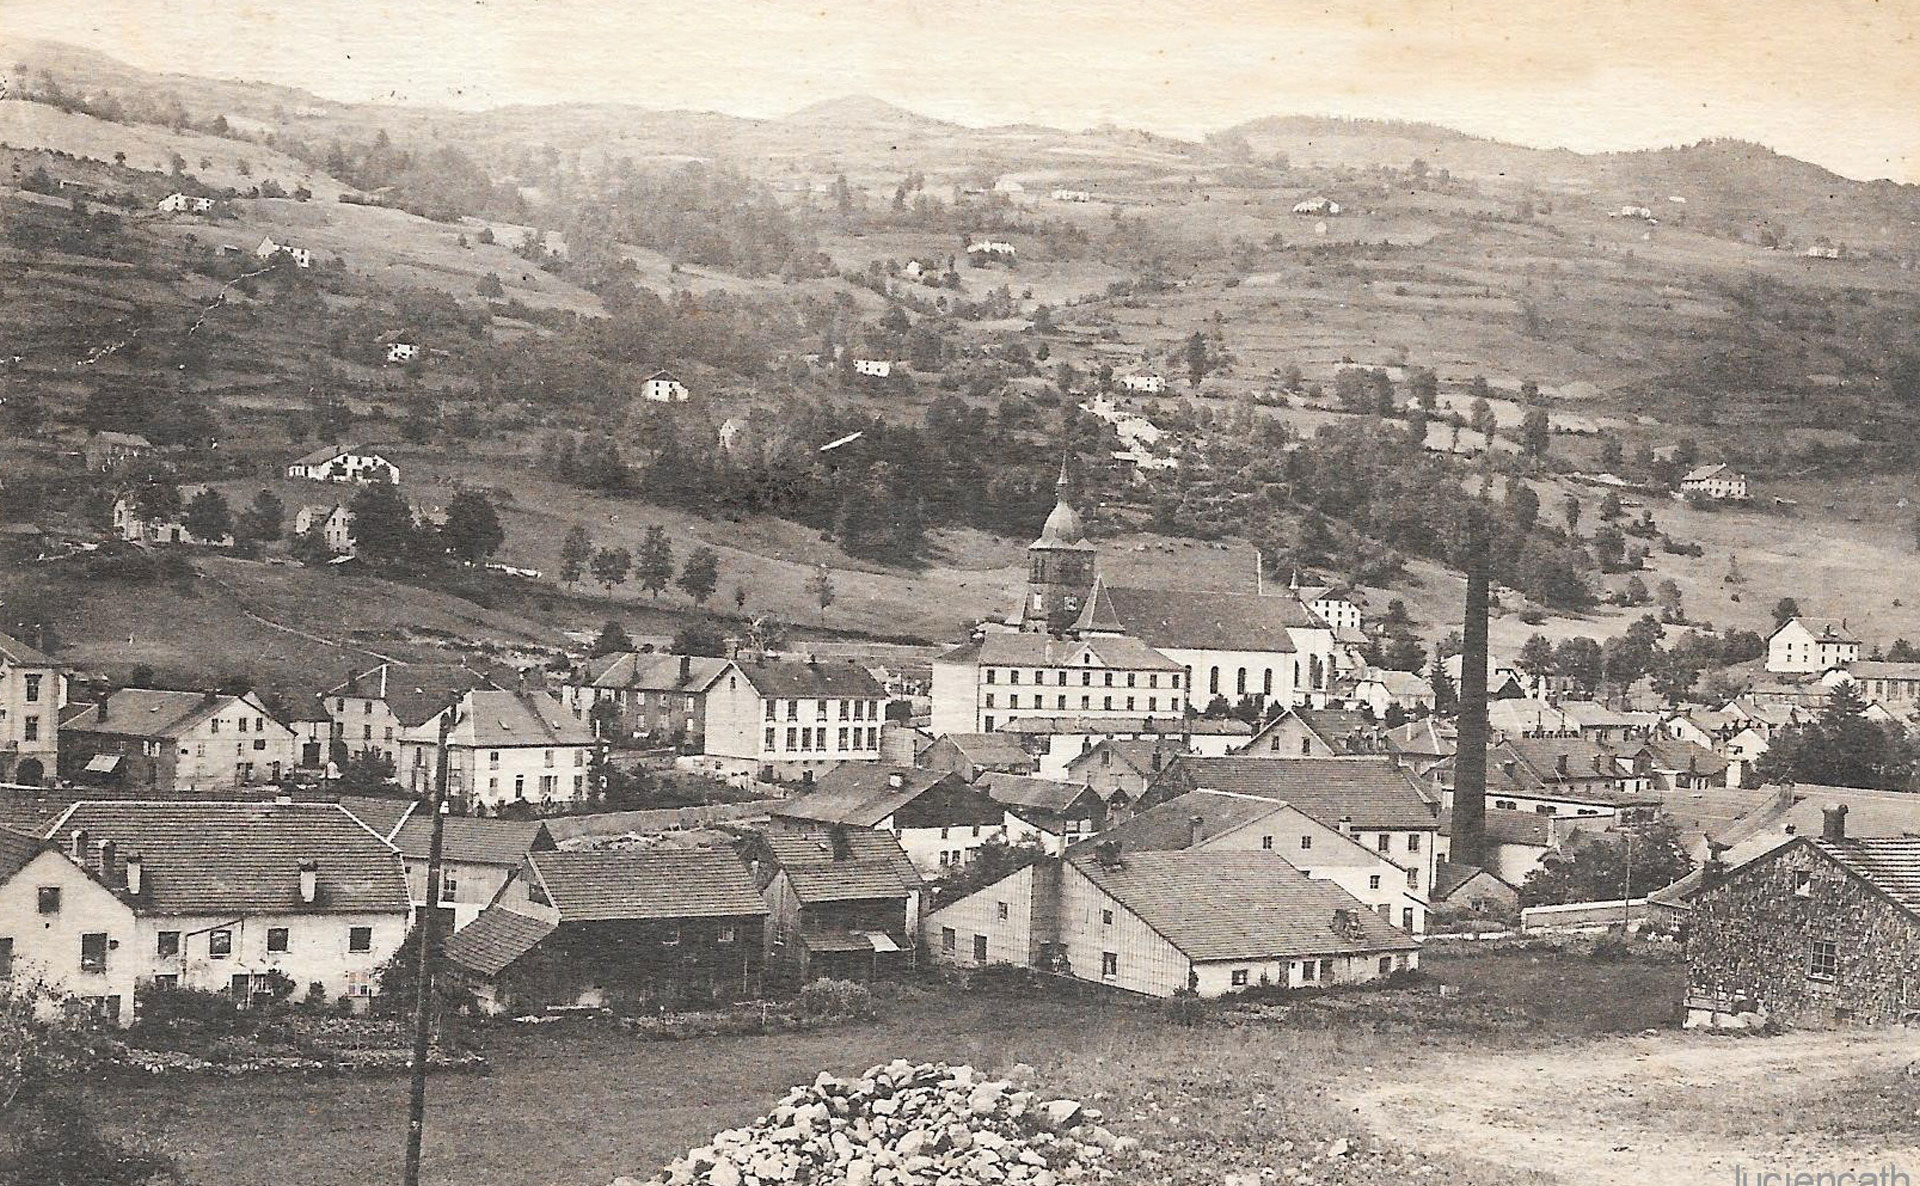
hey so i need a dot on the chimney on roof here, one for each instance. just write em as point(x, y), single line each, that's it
point(1715, 869)
point(1157, 759)
point(1195, 824)
point(1511, 769)
point(100, 709)
point(686, 668)
point(1560, 764)
point(1833, 821)
point(135, 869)
point(309, 881)
point(842, 845)
point(1346, 825)
point(896, 780)
point(77, 847)
point(209, 697)
point(106, 858)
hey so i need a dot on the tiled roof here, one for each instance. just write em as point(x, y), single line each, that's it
point(650, 672)
point(491, 942)
point(1891, 864)
point(414, 692)
point(327, 453)
point(382, 814)
point(831, 679)
point(1397, 683)
point(243, 858)
point(1191, 620)
point(861, 794)
point(1168, 827)
point(1448, 877)
point(1593, 714)
point(874, 865)
point(1676, 754)
point(1373, 792)
point(18, 653)
point(1423, 737)
point(471, 840)
point(1044, 794)
point(1135, 752)
point(145, 712)
point(1823, 629)
point(990, 749)
point(492, 718)
point(1007, 649)
point(1240, 905)
point(1168, 726)
point(594, 885)
point(1506, 826)
point(16, 849)
point(1883, 669)
point(1703, 473)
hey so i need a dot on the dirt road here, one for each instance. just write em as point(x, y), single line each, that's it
point(1673, 1108)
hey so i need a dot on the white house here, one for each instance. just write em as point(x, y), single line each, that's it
point(877, 368)
point(985, 684)
point(33, 690)
point(661, 387)
point(1717, 482)
point(168, 741)
point(335, 522)
point(403, 351)
point(937, 818)
point(1809, 645)
point(1144, 384)
point(1381, 688)
point(344, 463)
point(1317, 206)
point(63, 929)
point(372, 710)
point(793, 718)
point(1072, 195)
point(503, 747)
point(130, 525)
point(302, 257)
point(179, 203)
point(991, 249)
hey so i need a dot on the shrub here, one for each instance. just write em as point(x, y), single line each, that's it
point(1184, 1008)
point(164, 1006)
point(838, 999)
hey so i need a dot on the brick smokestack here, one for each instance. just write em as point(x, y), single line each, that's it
point(1470, 758)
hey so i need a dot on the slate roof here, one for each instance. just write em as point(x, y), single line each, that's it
point(1704, 472)
point(1422, 737)
point(383, 815)
point(494, 940)
point(1168, 826)
point(1891, 864)
point(1193, 620)
point(650, 672)
point(144, 712)
point(18, 653)
point(1043, 794)
point(244, 858)
point(1504, 826)
point(875, 865)
point(327, 453)
point(595, 885)
point(1448, 877)
point(861, 794)
point(789, 679)
point(1676, 754)
point(1240, 905)
point(16, 850)
point(1823, 629)
point(990, 749)
point(1007, 649)
point(470, 840)
point(1372, 791)
point(414, 692)
point(1165, 726)
point(493, 719)
point(1877, 669)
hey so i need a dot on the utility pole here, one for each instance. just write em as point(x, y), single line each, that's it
point(426, 927)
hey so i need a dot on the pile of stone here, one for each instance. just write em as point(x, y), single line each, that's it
point(907, 1125)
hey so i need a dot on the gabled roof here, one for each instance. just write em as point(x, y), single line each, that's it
point(1007, 649)
point(493, 941)
point(1670, 753)
point(1423, 737)
point(862, 794)
point(871, 865)
point(1169, 826)
point(989, 749)
point(1530, 829)
point(1397, 683)
point(597, 885)
point(1891, 864)
point(471, 840)
point(1163, 726)
point(383, 815)
point(1822, 629)
point(1182, 619)
point(1372, 792)
point(414, 692)
point(1137, 753)
point(146, 712)
point(17, 849)
point(1333, 726)
point(650, 672)
point(1591, 714)
point(1041, 794)
point(489, 717)
point(788, 679)
point(1704, 472)
point(1448, 877)
point(1883, 669)
point(1240, 905)
point(326, 453)
point(18, 653)
point(243, 858)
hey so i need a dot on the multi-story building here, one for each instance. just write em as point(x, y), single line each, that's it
point(1003, 676)
point(1809, 645)
point(1717, 482)
point(938, 819)
point(33, 690)
point(334, 521)
point(842, 902)
point(656, 699)
point(131, 525)
point(344, 463)
point(374, 709)
point(503, 747)
point(167, 742)
point(793, 718)
point(62, 929)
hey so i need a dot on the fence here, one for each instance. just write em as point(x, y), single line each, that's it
point(1585, 916)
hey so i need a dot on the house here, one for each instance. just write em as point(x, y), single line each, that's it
point(873, 368)
point(110, 450)
point(1676, 765)
point(1229, 822)
point(334, 523)
point(1807, 646)
point(33, 691)
point(1822, 930)
point(1565, 776)
point(168, 742)
point(228, 897)
point(1072, 195)
point(130, 524)
point(373, 710)
point(1301, 732)
point(1161, 923)
point(1058, 741)
point(1716, 482)
point(63, 928)
point(179, 203)
point(624, 928)
point(1894, 685)
point(1316, 206)
point(403, 352)
point(1370, 798)
point(971, 755)
point(935, 816)
point(1514, 842)
point(1423, 744)
point(1381, 690)
point(1336, 605)
point(477, 857)
point(1121, 769)
point(1473, 888)
point(1596, 722)
point(735, 435)
point(503, 747)
point(982, 685)
point(302, 257)
point(793, 718)
point(653, 698)
point(344, 463)
point(991, 249)
point(843, 903)
point(902, 744)
point(1147, 384)
point(1046, 811)
point(663, 387)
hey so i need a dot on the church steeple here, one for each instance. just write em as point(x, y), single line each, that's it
point(1060, 567)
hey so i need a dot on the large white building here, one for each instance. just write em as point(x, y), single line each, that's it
point(344, 463)
point(1808, 645)
point(502, 748)
point(1001, 677)
point(160, 740)
point(372, 710)
point(1717, 482)
point(793, 718)
point(32, 691)
point(335, 522)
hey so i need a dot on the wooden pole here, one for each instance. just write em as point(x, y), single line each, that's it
point(427, 927)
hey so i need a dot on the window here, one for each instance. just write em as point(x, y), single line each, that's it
point(213, 726)
point(793, 710)
point(991, 674)
point(1129, 704)
point(167, 945)
point(1406, 918)
point(947, 940)
point(33, 689)
point(1109, 964)
point(989, 699)
point(359, 938)
point(241, 725)
point(219, 944)
point(1106, 918)
point(1803, 884)
point(546, 757)
point(843, 739)
point(1413, 842)
point(1309, 970)
point(1239, 978)
point(1002, 909)
point(493, 759)
point(979, 949)
point(31, 728)
point(49, 899)
point(1386, 964)
point(726, 935)
point(1266, 842)
point(1373, 882)
point(276, 938)
point(1385, 840)
point(1108, 679)
point(1306, 747)
point(519, 786)
point(1823, 959)
point(1106, 702)
point(770, 712)
point(6, 959)
point(1013, 676)
point(93, 951)
point(1060, 702)
point(793, 737)
point(769, 744)
point(1013, 700)
point(1413, 879)
point(1306, 842)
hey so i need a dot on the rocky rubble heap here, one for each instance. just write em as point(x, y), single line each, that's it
point(906, 1125)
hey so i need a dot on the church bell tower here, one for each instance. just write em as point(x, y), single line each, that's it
point(1060, 568)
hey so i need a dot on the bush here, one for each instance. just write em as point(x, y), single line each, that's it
point(836, 999)
point(164, 1006)
point(1184, 1008)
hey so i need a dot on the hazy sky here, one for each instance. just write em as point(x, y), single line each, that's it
point(1832, 81)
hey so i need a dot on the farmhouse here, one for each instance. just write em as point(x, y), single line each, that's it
point(403, 352)
point(1716, 482)
point(1819, 931)
point(1805, 646)
point(1317, 206)
point(655, 699)
point(1160, 923)
point(972, 755)
point(793, 718)
point(1147, 384)
point(873, 368)
point(179, 203)
point(62, 927)
point(132, 524)
point(1072, 195)
point(344, 463)
point(302, 257)
point(167, 742)
point(663, 387)
point(623, 928)
point(110, 450)
point(844, 903)
point(334, 523)
point(1046, 811)
point(935, 816)
point(374, 708)
point(991, 249)
point(503, 747)
point(477, 857)
point(33, 690)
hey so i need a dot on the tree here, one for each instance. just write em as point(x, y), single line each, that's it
point(472, 531)
point(1480, 389)
point(1784, 610)
point(653, 568)
point(1535, 433)
point(1639, 857)
point(1579, 659)
point(739, 597)
point(1635, 591)
point(264, 520)
point(1903, 651)
point(368, 772)
point(576, 552)
point(700, 575)
point(310, 547)
point(1668, 596)
point(383, 527)
point(207, 517)
point(1570, 511)
point(490, 287)
point(1480, 419)
point(610, 566)
point(612, 640)
point(1840, 747)
point(1198, 361)
point(1610, 508)
point(700, 638)
point(820, 587)
point(1425, 386)
point(1536, 656)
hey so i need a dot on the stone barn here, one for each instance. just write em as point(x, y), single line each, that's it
point(1819, 931)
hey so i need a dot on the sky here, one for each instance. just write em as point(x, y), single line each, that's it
point(1836, 82)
